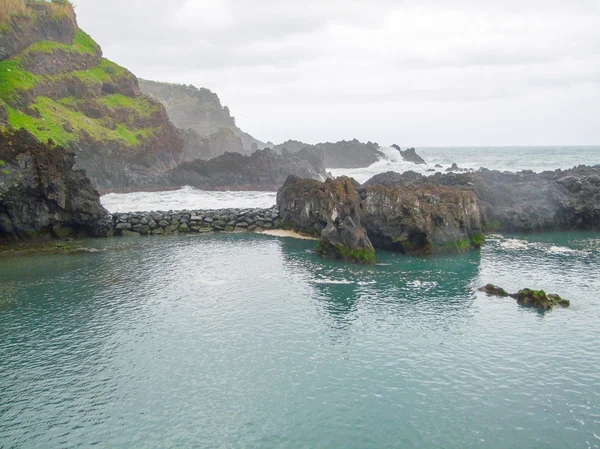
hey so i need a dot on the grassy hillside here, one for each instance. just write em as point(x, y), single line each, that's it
point(55, 83)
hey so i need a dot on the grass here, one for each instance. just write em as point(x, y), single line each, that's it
point(13, 78)
point(82, 44)
point(55, 114)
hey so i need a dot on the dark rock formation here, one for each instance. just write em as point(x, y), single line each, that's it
point(346, 240)
point(262, 170)
point(411, 220)
point(410, 155)
point(342, 154)
point(523, 201)
point(41, 194)
point(420, 220)
point(207, 147)
point(528, 297)
point(329, 210)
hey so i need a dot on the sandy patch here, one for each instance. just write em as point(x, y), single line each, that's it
point(284, 233)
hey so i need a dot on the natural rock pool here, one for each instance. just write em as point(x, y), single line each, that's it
point(254, 341)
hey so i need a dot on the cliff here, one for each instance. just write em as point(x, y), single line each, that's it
point(200, 110)
point(42, 195)
point(55, 83)
point(342, 154)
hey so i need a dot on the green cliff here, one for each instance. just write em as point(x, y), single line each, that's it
point(55, 83)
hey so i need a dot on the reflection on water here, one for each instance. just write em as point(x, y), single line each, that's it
point(253, 341)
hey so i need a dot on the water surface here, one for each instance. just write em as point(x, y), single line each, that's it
point(252, 341)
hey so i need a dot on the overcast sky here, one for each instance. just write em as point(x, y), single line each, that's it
point(415, 72)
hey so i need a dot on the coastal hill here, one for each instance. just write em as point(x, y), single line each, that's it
point(55, 83)
point(199, 109)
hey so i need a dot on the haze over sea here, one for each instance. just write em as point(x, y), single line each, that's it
point(249, 341)
point(512, 159)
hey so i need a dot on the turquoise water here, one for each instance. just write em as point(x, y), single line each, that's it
point(251, 341)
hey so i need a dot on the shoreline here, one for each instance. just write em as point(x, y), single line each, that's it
point(285, 233)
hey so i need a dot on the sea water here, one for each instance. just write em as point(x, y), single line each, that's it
point(250, 341)
point(499, 158)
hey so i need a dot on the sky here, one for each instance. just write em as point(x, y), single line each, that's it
point(412, 72)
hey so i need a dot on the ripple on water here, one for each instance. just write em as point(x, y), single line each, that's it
point(248, 341)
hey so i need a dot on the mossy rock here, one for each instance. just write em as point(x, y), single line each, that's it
point(494, 290)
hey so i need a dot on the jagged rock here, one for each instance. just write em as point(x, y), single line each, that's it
point(41, 194)
point(263, 170)
point(342, 154)
point(424, 220)
point(523, 201)
point(347, 241)
point(410, 155)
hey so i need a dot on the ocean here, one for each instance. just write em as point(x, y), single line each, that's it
point(252, 341)
point(512, 159)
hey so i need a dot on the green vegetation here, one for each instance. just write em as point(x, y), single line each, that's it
point(460, 245)
point(479, 240)
point(62, 122)
point(83, 44)
point(14, 79)
point(351, 255)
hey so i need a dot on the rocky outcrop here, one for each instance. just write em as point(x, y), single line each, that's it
point(200, 110)
point(424, 220)
point(342, 154)
point(39, 22)
point(262, 170)
point(41, 194)
point(329, 210)
point(410, 155)
point(528, 297)
point(523, 201)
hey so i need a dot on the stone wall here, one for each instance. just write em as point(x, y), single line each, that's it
point(196, 221)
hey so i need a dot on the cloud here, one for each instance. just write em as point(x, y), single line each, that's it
point(328, 69)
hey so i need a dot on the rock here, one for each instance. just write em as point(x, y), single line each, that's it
point(184, 228)
point(163, 223)
point(539, 299)
point(493, 290)
point(262, 170)
point(347, 241)
point(123, 226)
point(170, 229)
point(159, 231)
point(40, 191)
point(410, 155)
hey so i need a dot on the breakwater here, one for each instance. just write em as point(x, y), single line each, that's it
point(198, 221)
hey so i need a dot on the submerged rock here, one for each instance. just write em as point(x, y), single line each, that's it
point(528, 297)
point(493, 290)
point(539, 299)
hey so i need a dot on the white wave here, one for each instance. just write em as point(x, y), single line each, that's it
point(332, 281)
point(186, 198)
